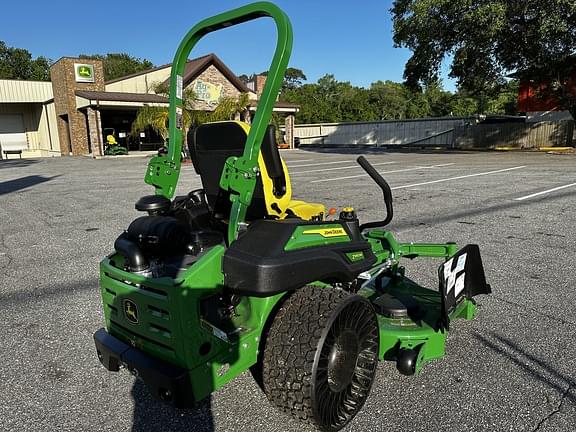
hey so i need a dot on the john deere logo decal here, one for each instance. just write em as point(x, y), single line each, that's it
point(131, 311)
point(355, 256)
point(327, 232)
point(84, 72)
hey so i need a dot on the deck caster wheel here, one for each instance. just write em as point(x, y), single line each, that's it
point(406, 361)
point(320, 356)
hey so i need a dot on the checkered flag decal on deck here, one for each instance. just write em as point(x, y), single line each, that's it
point(461, 276)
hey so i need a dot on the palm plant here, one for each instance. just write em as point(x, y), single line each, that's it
point(228, 107)
point(156, 117)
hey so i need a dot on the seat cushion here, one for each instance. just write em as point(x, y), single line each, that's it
point(305, 210)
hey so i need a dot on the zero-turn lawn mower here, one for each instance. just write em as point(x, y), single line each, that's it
point(112, 147)
point(238, 275)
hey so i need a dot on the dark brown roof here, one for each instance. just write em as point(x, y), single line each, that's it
point(194, 68)
point(198, 65)
point(120, 96)
point(277, 104)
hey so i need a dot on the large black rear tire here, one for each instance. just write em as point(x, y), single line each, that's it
point(320, 356)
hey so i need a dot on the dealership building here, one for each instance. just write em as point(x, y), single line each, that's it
point(74, 112)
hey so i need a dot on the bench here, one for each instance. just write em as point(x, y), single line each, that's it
point(9, 152)
point(147, 146)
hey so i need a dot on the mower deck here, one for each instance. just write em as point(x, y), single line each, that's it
point(408, 317)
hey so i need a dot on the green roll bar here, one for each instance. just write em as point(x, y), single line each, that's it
point(239, 174)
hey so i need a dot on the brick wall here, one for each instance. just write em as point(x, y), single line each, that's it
point(213, 76)
point(260, 82)
point(94, 132)
point(64, 85)
point(289, 128)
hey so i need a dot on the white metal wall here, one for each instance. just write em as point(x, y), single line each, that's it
point(14, 91)
point(433, 131)
point(515, 135)
point(141, 83)
point(39, 124)
point(28, 100)
point(12, 132)
point(49, 141)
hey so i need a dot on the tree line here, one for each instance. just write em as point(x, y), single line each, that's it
point(327, 100)
point(487, 41)
point(490, 45)
point(18, 64)
point(330, 100)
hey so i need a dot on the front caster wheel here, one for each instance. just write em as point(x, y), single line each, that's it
point(321, 355)
point(406, 361)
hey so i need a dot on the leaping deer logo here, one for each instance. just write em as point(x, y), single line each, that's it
point(84, 71)
point(131, 311)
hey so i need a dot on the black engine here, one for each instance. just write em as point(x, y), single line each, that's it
point(171, 237)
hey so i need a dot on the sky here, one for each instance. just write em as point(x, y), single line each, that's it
point(350, 39)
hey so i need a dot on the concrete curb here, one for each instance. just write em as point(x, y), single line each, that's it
point(542, 149)
point(128, 156)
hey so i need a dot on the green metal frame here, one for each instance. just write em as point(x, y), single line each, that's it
point(239, 174)
point(171, 327)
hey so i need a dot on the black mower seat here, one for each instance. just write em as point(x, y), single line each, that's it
point(211, 144)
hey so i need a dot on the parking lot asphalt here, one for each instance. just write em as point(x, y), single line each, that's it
point(510, 369)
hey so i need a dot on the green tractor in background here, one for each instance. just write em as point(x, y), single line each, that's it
point(111, 146)
point(238, 275)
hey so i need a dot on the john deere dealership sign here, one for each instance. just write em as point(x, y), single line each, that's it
point(208, 92)
point(84, 72)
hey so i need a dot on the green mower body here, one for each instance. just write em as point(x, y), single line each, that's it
point(194, 295)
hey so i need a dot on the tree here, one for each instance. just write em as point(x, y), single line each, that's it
point(245, 78)
point(17, 63)
point(293, 78)
point(487, 40)
point(389, 100)
point(464, 105)
point(117, 65)
point(312, 105)
point(395, 101)
point(40, 69)
point(330, 100)
point(437, 99)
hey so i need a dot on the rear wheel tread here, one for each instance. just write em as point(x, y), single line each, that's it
point(290, 351)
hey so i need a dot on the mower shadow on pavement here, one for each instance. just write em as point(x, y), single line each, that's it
point(10, 186)
point(436, 219)
point(42, 292)
point(150, 415)
point(539, 369)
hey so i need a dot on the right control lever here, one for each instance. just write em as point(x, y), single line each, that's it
point(371, 171)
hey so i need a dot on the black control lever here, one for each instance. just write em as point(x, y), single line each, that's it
point(371, 171)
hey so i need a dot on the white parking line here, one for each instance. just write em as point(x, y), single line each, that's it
point(544, 192)
point(298, 161)
point(339, 168)
point(458, 177)
point(383, 172)
point(318, 164)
